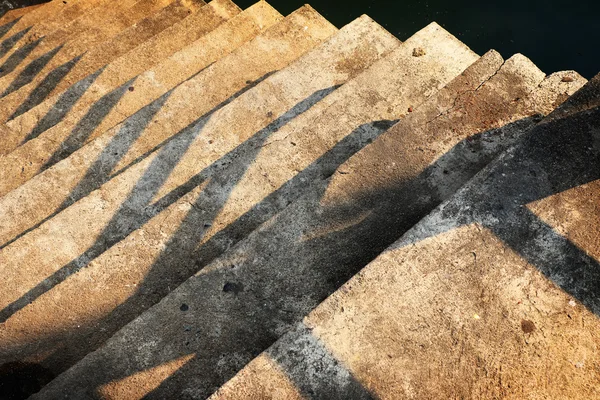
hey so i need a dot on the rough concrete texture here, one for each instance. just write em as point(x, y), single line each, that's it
point(95, 96)
point(363, 42)
point(94, 164)
point(56, 78)
point(320, 140)
point(16, 13)
point(73, 103)
point(493, 295)
point(288, 264)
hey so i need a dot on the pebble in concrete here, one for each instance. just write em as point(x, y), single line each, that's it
point(491, 295)
point(327, 66)
point(222, 79)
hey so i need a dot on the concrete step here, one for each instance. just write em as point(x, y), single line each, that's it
point(63, 49)
point(345, 55)
point(492, 295)
point(106, 86)
point(253, 274)
point(322, 137)
point(16, 13)
point(80, 65)
point(98, 161)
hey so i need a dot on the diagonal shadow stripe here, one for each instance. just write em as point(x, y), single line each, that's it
point(63, 105)
point(137, 209)
point(4, 30)
point(8, 43)
point(18, 55)
point(46, 86)
point(87, 124)
point(31, 71)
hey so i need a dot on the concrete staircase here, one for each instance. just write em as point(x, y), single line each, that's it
point(202, 201)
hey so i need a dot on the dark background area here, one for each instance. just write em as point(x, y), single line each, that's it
point(556, 35)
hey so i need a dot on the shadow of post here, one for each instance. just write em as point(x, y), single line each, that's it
point(45, 87)
point(31, 70)
point(19, 54)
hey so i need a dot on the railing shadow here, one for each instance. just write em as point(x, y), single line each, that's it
point(8, 43)
point(137, 209)
point(46, 86)
point(20, 54)
point(31, 70)
point(4, 29)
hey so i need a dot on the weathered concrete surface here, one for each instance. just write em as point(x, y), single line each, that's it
point(59, 52)
point(313, 142)
point(493, 295)
point(73, 103)
point(102, 90)
point(288, 264)
point(16, 13)
point(81, 65)
point(93, 164)
point(362, 42)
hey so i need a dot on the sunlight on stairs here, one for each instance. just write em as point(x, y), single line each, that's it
point(202, 201)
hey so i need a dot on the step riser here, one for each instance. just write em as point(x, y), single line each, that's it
point(42, 117)
point(92, 166)
point(275, 55)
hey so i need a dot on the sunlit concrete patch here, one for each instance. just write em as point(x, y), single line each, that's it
point(273, 384)
point(141, 383)
point(460, 315)
point(575, 214)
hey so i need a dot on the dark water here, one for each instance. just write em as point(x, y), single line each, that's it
point(556, 35)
